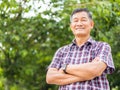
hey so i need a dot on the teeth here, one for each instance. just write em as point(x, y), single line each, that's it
point(79, 28)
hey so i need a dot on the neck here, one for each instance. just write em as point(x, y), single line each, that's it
point(81, 40)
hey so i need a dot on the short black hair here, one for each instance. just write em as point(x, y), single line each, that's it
point(81, 10)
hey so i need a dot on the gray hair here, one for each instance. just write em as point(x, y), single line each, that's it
point(81, 10)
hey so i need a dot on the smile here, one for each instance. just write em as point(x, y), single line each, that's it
point(79, 29)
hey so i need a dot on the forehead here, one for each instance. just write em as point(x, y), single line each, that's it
point(80, 15)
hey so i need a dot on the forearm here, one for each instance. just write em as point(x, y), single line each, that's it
point(59, 78)
point(81, 70)
point(87, 71)
point(68, 79)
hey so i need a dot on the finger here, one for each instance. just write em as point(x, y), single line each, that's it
point(96, 59)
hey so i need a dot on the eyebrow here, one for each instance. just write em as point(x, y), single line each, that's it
point(82, 18)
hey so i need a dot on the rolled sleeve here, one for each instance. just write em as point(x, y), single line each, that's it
point(56, 61)
point(106, 56)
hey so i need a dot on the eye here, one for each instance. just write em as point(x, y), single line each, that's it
point(75, 20)
point(84, 20)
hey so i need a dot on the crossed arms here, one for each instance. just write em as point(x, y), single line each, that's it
point(76, 72)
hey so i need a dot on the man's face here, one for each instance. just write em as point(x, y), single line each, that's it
point(81, 24)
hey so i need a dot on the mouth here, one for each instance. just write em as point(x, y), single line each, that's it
point(79, 29)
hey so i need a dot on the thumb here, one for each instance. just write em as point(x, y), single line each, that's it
point(96, 59)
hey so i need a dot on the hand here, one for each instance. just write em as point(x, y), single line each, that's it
point(61, 71)
point(96, 59)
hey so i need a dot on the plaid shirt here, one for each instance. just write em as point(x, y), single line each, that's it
point(73, 54)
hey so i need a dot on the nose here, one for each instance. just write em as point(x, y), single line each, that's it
point(79, 23)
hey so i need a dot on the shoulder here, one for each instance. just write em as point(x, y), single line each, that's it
point(64, 48)
point(101, 44)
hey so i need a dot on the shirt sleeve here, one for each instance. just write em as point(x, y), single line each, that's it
point(56, 61)
point(106, 56)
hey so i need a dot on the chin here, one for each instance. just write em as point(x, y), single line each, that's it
point(80, 34)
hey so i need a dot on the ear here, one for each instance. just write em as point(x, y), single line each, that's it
point(92, 24)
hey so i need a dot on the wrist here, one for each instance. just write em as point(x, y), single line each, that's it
point(64, 67)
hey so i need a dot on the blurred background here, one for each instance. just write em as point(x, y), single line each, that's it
point(32, 30)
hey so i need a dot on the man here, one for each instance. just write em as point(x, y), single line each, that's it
point(83, 64)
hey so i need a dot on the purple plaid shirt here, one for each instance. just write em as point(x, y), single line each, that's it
point(73, 54)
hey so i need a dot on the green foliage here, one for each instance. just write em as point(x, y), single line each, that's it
point(27, 44)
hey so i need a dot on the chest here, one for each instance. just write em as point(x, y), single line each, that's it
point(78, 55)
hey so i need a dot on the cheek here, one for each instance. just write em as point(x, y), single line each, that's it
point(72, 26)
point(88, 26)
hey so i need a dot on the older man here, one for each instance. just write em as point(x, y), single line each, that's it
point(83, 64)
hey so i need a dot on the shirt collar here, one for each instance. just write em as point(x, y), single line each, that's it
point(89, 41)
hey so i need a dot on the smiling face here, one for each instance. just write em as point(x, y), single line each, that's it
point(81, 24)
